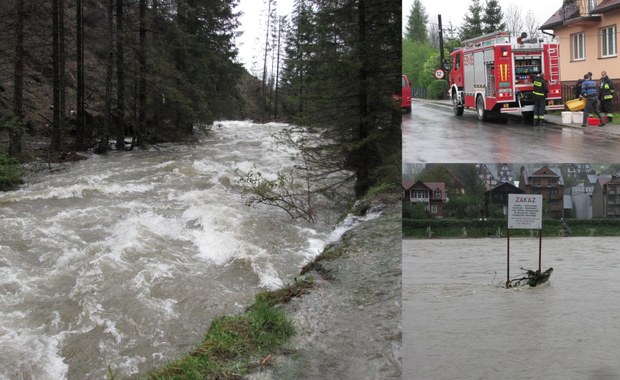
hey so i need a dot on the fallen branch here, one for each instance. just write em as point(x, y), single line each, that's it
point(531, 278)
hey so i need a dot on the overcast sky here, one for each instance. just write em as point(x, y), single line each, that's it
point(455, 10)
point(253, 22)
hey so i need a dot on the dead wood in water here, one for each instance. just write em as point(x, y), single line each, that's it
point(531, 278)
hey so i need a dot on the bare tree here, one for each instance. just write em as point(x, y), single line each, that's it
point(412, 171)
point(450, 31)
point(433, 35)
point(531, 23)
point(513, 19)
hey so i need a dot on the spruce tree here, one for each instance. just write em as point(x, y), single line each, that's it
point(416, 23)
point(472, 23)
point(492, 18)
point(352, 68)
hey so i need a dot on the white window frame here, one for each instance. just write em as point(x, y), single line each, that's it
point(433, 209)
point(609, 42)
point(419, 194)
point(578, 46)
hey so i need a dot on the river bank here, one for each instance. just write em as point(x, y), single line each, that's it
point(344, 309)
point(348, 326)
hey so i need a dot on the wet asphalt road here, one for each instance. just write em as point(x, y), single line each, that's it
point(431, 133)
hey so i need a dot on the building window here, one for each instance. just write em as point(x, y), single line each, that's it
point(608, 42)
point(420, 194)
point(591, 5)
point(437, 194)
point(434, 209)
point(578, 47)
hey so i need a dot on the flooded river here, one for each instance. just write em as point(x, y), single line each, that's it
point(123, 260)
point(459, 323)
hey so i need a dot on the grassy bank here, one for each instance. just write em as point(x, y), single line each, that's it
point(479, 228)
point(236, 345)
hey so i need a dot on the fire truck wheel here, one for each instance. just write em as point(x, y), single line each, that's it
point(482, 113)
point(456, 107)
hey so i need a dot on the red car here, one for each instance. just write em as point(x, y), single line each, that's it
point(405, 96)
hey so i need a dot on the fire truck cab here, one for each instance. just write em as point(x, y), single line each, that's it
point(492, 74)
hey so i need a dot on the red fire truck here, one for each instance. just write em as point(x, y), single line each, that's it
point(492, 74)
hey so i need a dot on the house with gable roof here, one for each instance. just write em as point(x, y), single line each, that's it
point(548, 182)
point(587, 31)
point(431, 194)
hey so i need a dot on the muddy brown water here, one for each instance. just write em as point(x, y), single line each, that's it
point(460, 323)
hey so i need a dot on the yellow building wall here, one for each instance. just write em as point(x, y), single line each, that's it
point(571, 70)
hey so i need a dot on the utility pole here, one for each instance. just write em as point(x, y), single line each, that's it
point(441, 59)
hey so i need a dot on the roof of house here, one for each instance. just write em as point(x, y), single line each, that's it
point(566, 12)
point(407, 184)
point(506, 187)
point(606, 6)
point(539, 172)
point(570, 12)
point(602, 180)
point(614, 181)
point(436, 186)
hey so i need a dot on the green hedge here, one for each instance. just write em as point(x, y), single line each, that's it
point(438, 89)
point(419, 228)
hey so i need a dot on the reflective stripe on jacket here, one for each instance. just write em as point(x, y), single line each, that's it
point(540, 86)
point(607, 88)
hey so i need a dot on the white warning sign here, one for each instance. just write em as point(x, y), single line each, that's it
point(525, 211)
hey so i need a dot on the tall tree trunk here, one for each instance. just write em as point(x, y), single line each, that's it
point(141, 76)
point(107, 121)
point(363, 154)
point(120, 77)
point(61, 68)
point(266, 50)
point(15, 142)
point(56, 127)
point(80, 125)
point(280, 26)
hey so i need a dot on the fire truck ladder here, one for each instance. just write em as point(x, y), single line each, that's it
point(554, 65)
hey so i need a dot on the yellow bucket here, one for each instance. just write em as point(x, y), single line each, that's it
point(576, 104)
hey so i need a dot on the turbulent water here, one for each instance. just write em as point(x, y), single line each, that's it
point(458, 323)
point(122, 260)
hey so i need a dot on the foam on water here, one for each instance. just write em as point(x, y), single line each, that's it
point(42, 350)
point(124, 258)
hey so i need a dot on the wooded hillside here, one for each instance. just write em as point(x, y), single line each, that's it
point(86, 72)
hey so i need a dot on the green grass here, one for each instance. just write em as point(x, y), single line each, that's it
point(234, 345)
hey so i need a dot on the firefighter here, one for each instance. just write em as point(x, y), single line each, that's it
point(588, 90)
point(540, 98)
point(606, 94)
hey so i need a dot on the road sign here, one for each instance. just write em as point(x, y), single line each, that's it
point(525, 211)
point(439, 74)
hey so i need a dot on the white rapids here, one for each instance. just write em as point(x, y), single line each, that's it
point(122, 260)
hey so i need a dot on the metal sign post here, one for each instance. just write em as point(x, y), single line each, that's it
point(524, 212)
